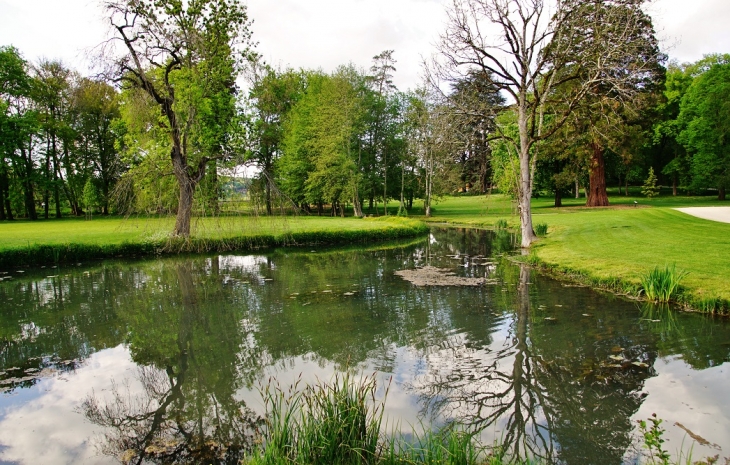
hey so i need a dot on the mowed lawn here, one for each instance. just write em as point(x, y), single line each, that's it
point(622, 241)
point(101, 230)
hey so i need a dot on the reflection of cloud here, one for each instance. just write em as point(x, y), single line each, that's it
point(680, 394)
point(47, 429)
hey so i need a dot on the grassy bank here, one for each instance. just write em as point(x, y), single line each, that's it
point(72, 240)
point(613, 247)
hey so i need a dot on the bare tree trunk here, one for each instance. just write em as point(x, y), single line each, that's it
point(524, 193)
point(721, 193)
point(674, 185)
point(577, 189)
point(598, 197)
point(558, 198)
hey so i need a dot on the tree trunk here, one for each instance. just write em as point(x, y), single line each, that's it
point(558, 198)
point(5, 195)
point(28, 194)
point(2, 198)
point(626, 190)
point(721, 193)
point(525, 187)
point(619, 183)
point(597, 197)
point(268, 193)
point(184, 207)
point(577, 189)
point(356, 206)
point(674, 185)
point(46, 192)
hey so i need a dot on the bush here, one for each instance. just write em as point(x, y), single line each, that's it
point(541, 229)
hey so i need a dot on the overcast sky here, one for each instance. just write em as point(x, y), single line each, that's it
point(327, 33)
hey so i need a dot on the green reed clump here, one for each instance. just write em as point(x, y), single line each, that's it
point(501, 224)
point(451, 446)
point(541, 229)
point(660, 285)
point(328, 423)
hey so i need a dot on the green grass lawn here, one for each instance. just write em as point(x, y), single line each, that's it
point(113, 230)
point(74, 240)
point(621, 241)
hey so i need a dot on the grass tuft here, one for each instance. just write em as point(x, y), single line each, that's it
point(541, 229)
point(661, 285)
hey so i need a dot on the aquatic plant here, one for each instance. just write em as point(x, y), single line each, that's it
point(660, 285)
point(328, 423)
point(501, 224)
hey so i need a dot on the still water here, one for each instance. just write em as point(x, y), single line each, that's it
point(164, 359)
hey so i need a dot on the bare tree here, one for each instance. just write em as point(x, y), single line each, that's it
point(530, 48)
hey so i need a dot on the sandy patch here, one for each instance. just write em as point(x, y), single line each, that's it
point(721, 214)
point(432, 276)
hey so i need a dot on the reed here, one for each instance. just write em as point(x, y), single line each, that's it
point(662, 284)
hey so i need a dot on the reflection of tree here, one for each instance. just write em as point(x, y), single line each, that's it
point(545, 396)
point(187, 411)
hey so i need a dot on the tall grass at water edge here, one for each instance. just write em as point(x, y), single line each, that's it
point(341, 423)
point(662, 284)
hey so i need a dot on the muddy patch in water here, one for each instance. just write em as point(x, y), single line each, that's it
point(432, 276)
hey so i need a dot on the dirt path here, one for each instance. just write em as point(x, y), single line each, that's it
point(721, 214)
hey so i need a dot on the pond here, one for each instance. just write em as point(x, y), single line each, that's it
point(109, 362)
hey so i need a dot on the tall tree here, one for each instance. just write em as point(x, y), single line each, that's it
point(272, 96)
point(705, 117)
point(99, 131)
point(185, 56)
point(381, 81)
point(536, 50)
point(18, 128)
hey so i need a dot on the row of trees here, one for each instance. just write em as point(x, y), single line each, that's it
point(520, 96)
point(59, 139)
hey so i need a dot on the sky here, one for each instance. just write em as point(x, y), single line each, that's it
point(327, 33)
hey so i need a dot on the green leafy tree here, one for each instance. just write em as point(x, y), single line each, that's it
point(272, 96)
point(19, 125)
point(185, 56)
point(705, 118)
point(319, 162)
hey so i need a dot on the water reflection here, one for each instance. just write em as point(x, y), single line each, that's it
point(552, 371)
point(190, 371)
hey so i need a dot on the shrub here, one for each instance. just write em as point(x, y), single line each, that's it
point(501, 224)
point(650, 188)
point(541, 229)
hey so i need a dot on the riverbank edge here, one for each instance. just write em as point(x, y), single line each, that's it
point(46, 254)
point(616, 285)
point(623, 287)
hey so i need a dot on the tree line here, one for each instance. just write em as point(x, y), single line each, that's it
point(556, 100)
